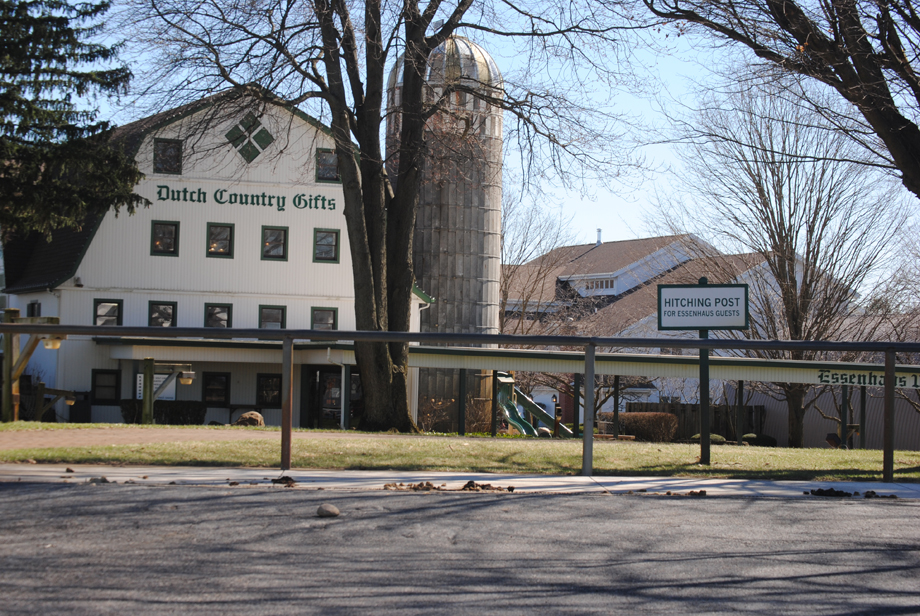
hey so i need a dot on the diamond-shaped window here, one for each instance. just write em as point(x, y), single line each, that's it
point(249, 137)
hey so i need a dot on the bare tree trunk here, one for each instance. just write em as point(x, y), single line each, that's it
point(386, 389)
point(334, 56)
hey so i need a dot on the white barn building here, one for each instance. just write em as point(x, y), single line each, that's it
point(245, 230)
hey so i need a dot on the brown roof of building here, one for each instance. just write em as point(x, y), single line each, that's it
point(530, 283)
point(34, 264)
point(607, 257)
point(642, 302)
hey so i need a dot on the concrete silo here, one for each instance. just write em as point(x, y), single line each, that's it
point(457, 243)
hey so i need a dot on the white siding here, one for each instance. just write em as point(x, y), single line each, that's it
point(118, 264)
point(816, 427)
point(43, 363)
point(78, 306)
point(119, 258)
point(77, 358)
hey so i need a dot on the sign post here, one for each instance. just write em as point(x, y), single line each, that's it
point(703, 307)
point(704, 398)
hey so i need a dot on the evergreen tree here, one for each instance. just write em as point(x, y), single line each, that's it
point(56, 161)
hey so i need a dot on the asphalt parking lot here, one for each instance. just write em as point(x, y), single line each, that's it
point(85, 548)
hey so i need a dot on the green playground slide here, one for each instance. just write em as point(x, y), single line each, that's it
point(537, 411)
point(515, 419)
point(510, 396)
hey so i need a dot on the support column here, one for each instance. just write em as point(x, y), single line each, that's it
point(704, 401)
point(862, 417)
point(147, 392)
point(494, 429)
point(616, 406)
point(287, 400)
point(587, 452)
point(888, 440)
point(739, 413)
point(461, 404)
point(576, 427)
point(844, 414)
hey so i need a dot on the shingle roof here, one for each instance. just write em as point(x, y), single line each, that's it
point(642, 302)
point(34, 264)
point(531, 283)
point(607, 257)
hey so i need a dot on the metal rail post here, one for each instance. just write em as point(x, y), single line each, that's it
point(862, 417)
point(739, 413)
point(844, 414)
point(345, 397)
point(147, 392)
point(494, 427)
point(461, 411)
point(576, 424)
point(587, 453)
point(287, 400)
point(704, 401)
point(888, 446)
point(38, 402)
point(704, 393)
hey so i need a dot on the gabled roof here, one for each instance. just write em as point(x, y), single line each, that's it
point(642, 302)
point(131, 135)
point(530, 283)
point(608, 257)
point(33, 264)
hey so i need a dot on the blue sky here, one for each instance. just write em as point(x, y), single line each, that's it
point(619, 209)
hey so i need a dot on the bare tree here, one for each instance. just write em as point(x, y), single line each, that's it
point(537, 244)
point(865, 50)
point(810, 230)
point(533, 238)
point(332, 58)
point(535, 302)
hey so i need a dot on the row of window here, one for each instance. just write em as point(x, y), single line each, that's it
point(164, 314)
point(215, 388)
point(591, 285)
point(167, 153)
point(164, 242)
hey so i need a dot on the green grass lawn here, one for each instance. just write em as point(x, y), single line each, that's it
point(516, 455)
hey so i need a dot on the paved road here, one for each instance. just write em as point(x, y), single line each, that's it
point(313, 479)
point(145, 549)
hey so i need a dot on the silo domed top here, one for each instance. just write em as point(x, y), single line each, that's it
point(456, 59)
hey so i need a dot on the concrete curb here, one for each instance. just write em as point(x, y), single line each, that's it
point(375, 480)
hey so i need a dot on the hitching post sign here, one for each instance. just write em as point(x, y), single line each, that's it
point(707, 306)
